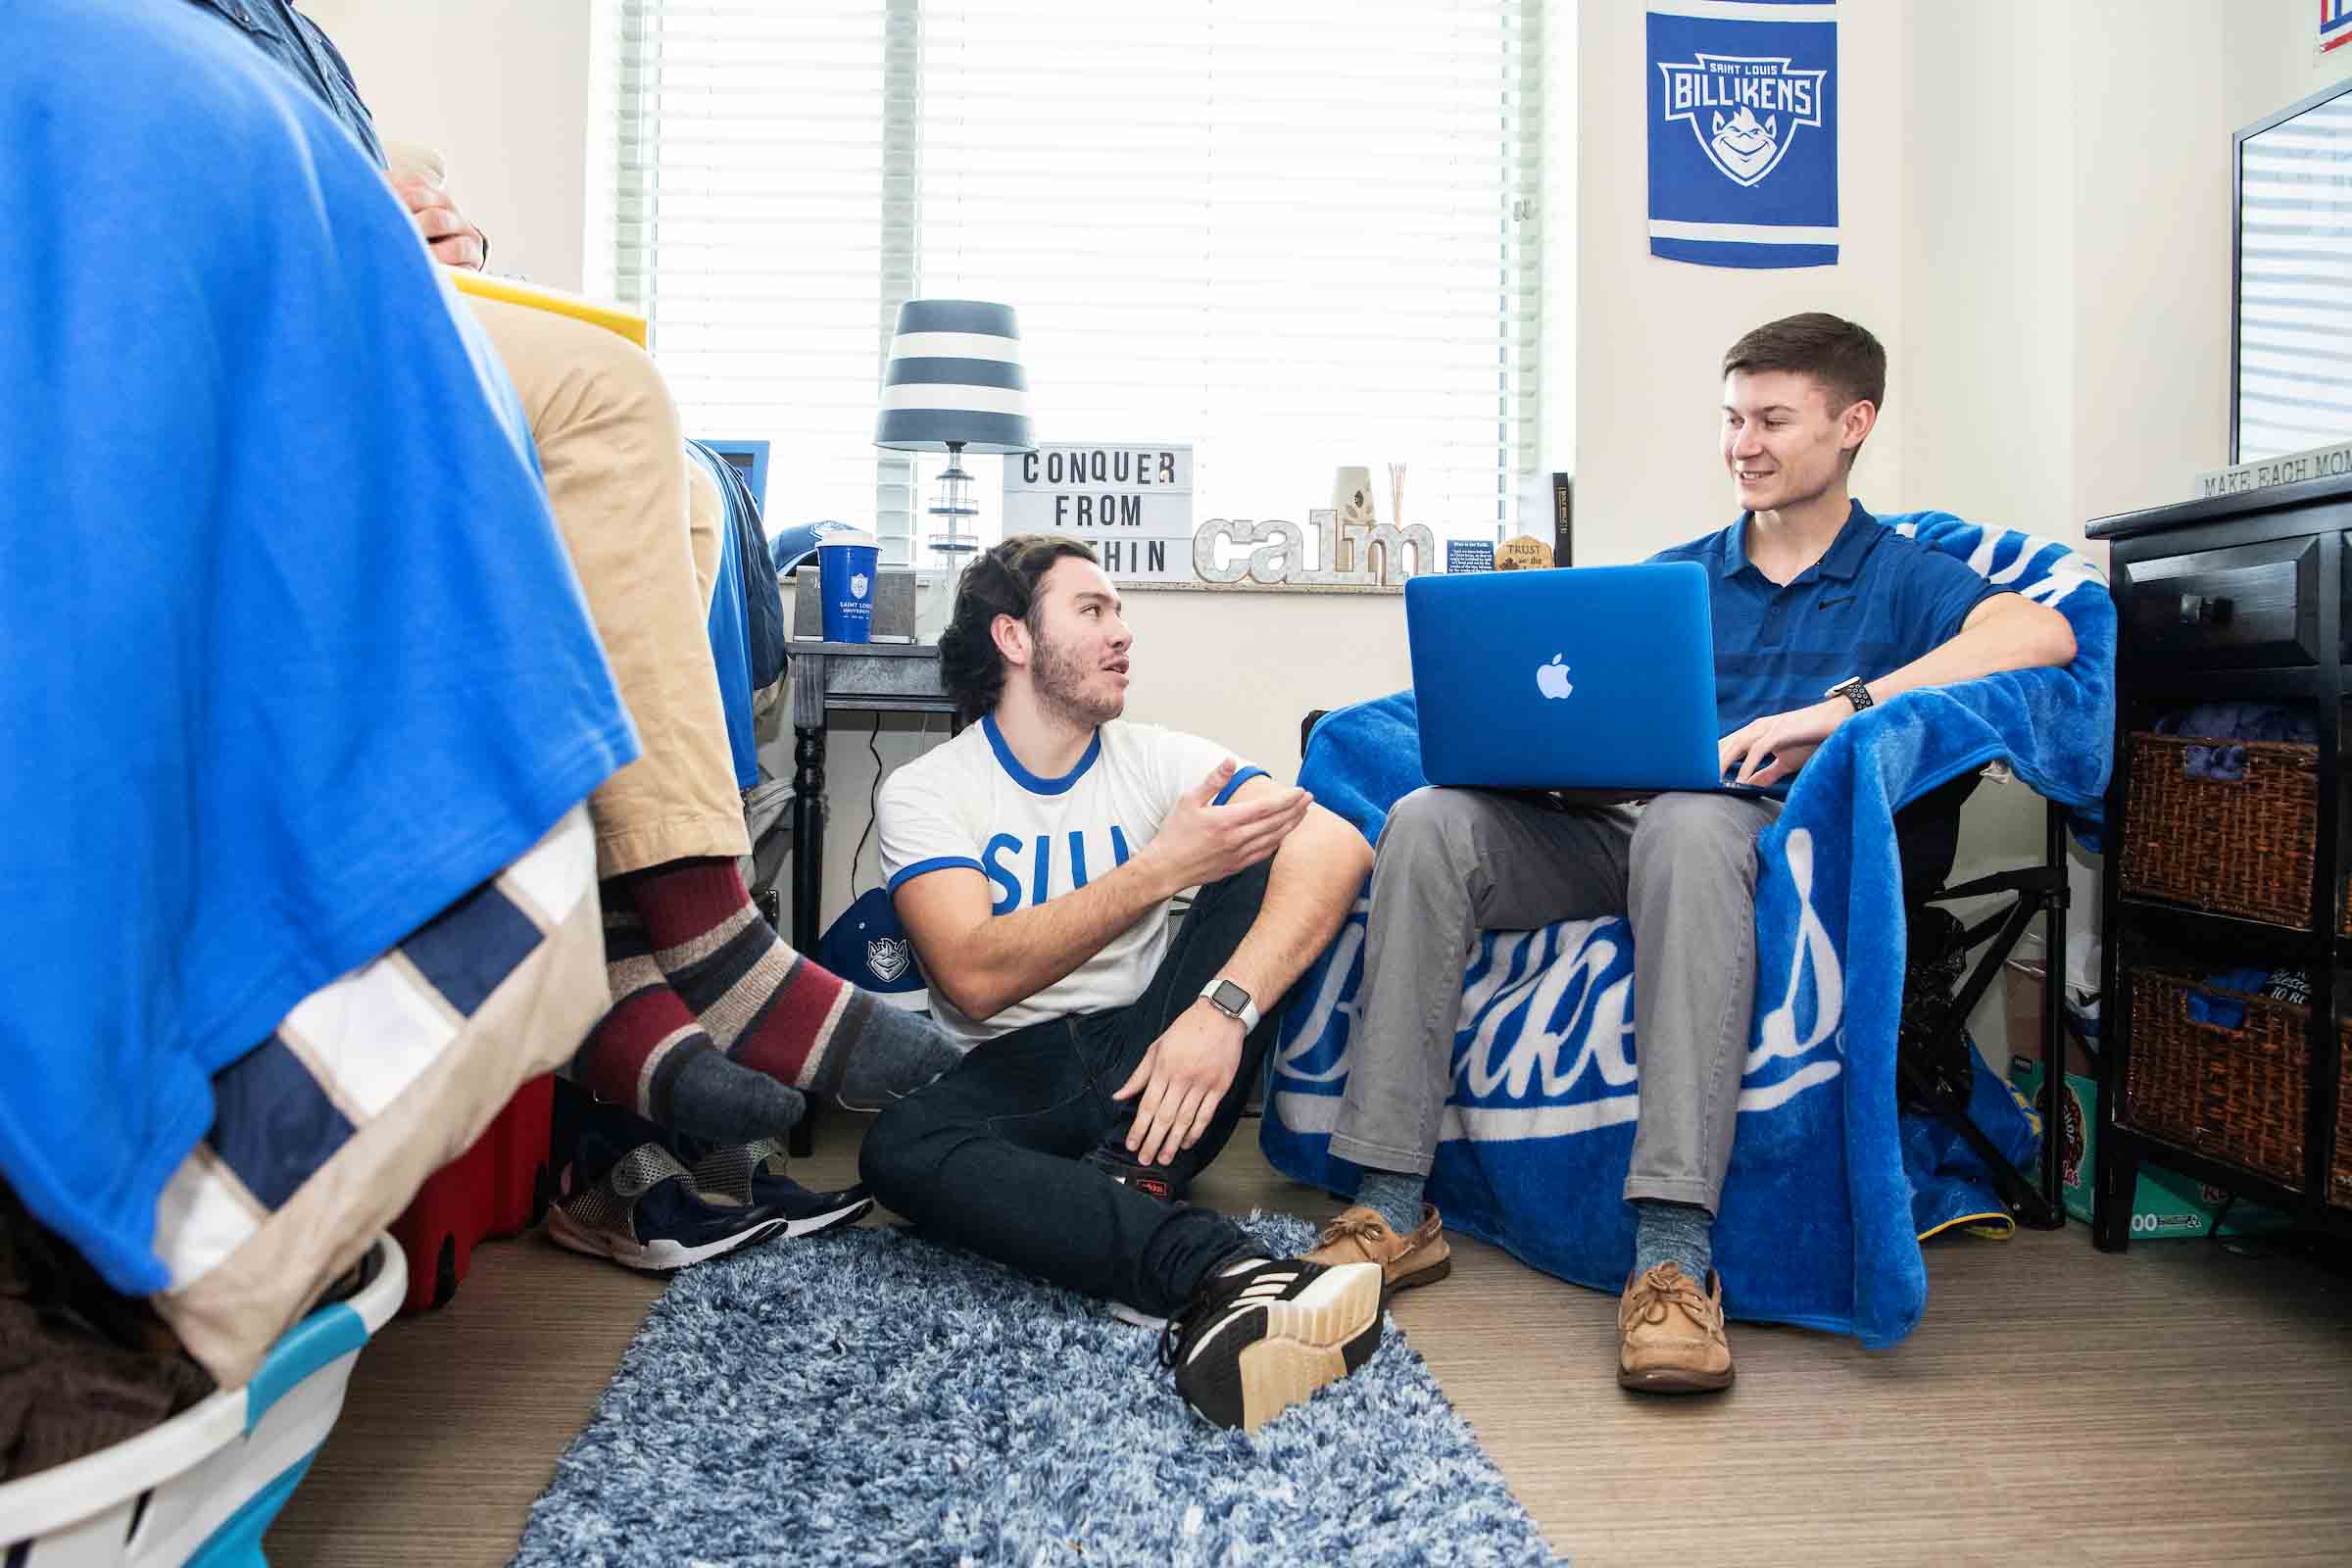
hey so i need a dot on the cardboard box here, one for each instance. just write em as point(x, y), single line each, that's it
point(2167, 1204)
point(2021, 996)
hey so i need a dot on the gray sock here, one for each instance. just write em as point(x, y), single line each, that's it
point(1394, 1196)
point(889, 1052)
point(1673, 1233)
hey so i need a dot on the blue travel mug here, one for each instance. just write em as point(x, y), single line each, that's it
point(846, 564)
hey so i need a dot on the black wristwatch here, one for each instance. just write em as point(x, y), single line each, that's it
point(1854, 691)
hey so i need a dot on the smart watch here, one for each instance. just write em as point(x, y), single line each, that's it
point(1233, 1002)
point(1854, 691)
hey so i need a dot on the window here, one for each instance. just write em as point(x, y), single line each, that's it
point(1295, 234)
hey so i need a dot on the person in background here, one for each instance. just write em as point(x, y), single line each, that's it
point(717, 1028)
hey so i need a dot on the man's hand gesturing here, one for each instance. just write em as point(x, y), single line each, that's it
point(1203, 841)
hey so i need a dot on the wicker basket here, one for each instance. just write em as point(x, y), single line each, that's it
point(2234, 1094)
point(2242, 848)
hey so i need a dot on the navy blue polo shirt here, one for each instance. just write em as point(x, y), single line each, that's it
point(1873, 603)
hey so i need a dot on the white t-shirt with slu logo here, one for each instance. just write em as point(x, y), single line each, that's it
point(971, 805)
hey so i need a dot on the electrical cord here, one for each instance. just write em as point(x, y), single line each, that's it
point(873, 798)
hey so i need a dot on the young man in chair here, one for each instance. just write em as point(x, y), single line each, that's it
point(1819, 611)
point(1034, 860)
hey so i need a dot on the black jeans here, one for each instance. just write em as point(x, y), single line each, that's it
point(988, 1156)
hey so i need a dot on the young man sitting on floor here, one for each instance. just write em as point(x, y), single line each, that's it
point(1034, 859)
point(1819, 611)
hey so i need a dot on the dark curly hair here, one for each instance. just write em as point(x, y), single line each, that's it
point(1002, 581)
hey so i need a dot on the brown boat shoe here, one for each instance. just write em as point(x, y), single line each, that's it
point(1360, 1236)
point(1674, 1341)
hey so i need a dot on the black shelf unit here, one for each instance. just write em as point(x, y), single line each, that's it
point(2176, 644)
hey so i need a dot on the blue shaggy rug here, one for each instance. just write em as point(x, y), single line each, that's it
point(869, 1398)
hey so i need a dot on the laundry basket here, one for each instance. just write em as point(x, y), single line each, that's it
point(202, 1488)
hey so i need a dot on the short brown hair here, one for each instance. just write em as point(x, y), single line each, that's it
point(1000, 582)
point(1841, 355)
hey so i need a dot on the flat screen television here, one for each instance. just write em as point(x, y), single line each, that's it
point(2290, 350)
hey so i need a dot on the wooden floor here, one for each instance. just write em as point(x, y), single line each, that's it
point(2177, 1405)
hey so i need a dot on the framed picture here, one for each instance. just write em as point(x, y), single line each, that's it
point(751, 460)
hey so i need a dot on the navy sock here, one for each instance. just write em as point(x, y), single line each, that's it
point(1673, 1233)
point(1394, 1196)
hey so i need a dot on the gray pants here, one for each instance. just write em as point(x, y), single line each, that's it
point(1454, 862)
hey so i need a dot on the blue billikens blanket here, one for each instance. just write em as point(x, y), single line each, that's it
point(1829, 1188)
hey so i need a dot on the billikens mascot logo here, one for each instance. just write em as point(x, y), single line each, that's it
point(888, 957)
point(1745, 112)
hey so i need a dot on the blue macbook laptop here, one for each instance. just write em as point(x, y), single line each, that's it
point(1578, 678)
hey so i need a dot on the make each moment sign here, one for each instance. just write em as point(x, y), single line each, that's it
point(1131, 501)
point(1743, 133)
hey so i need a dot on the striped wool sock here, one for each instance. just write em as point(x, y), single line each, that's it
point(769, 1007)
point(649, 1055)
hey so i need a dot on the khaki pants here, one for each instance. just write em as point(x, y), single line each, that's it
point(1454, 862)
point(641, 522)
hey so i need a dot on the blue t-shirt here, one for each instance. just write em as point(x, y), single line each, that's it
point(295, 657)
point(1873, 603)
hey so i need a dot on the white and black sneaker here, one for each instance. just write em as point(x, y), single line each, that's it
point(1261, 1337)
point(646, 1213)
point(756, 1175)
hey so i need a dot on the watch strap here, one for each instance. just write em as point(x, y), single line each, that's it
point(1854, 690)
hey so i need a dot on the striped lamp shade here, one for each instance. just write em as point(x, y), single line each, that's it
point(955, 376)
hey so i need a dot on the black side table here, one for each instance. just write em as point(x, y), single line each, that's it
point(2238, 598)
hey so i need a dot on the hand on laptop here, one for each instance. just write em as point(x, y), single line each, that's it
point(1789, 739)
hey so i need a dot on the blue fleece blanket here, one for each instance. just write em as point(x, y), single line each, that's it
point(1829, 1191)
point(294, 657)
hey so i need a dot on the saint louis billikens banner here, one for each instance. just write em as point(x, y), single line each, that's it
point(1744, 133)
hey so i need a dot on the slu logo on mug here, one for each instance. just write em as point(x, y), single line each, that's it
point(857, 586)
point(1553, 679)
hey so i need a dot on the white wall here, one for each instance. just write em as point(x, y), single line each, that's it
point(500, 89)
point(1988, 269)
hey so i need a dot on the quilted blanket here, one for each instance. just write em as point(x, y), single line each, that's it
point(1828, 1191)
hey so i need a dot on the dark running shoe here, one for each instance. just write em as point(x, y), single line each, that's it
point(1258, 1339)
point(753, 1175)
point(644, 1212)
point(1153, 1181)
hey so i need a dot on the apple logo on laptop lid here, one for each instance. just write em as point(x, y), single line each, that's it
point(1553, 679)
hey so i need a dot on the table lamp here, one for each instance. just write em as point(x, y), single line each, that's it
point(955, 384)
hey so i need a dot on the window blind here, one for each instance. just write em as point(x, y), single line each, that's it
point(1295, 234)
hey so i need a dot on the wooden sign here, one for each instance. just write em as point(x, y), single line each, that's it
point(2320, 463)
point(1523, 553)
point(1133, 501)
